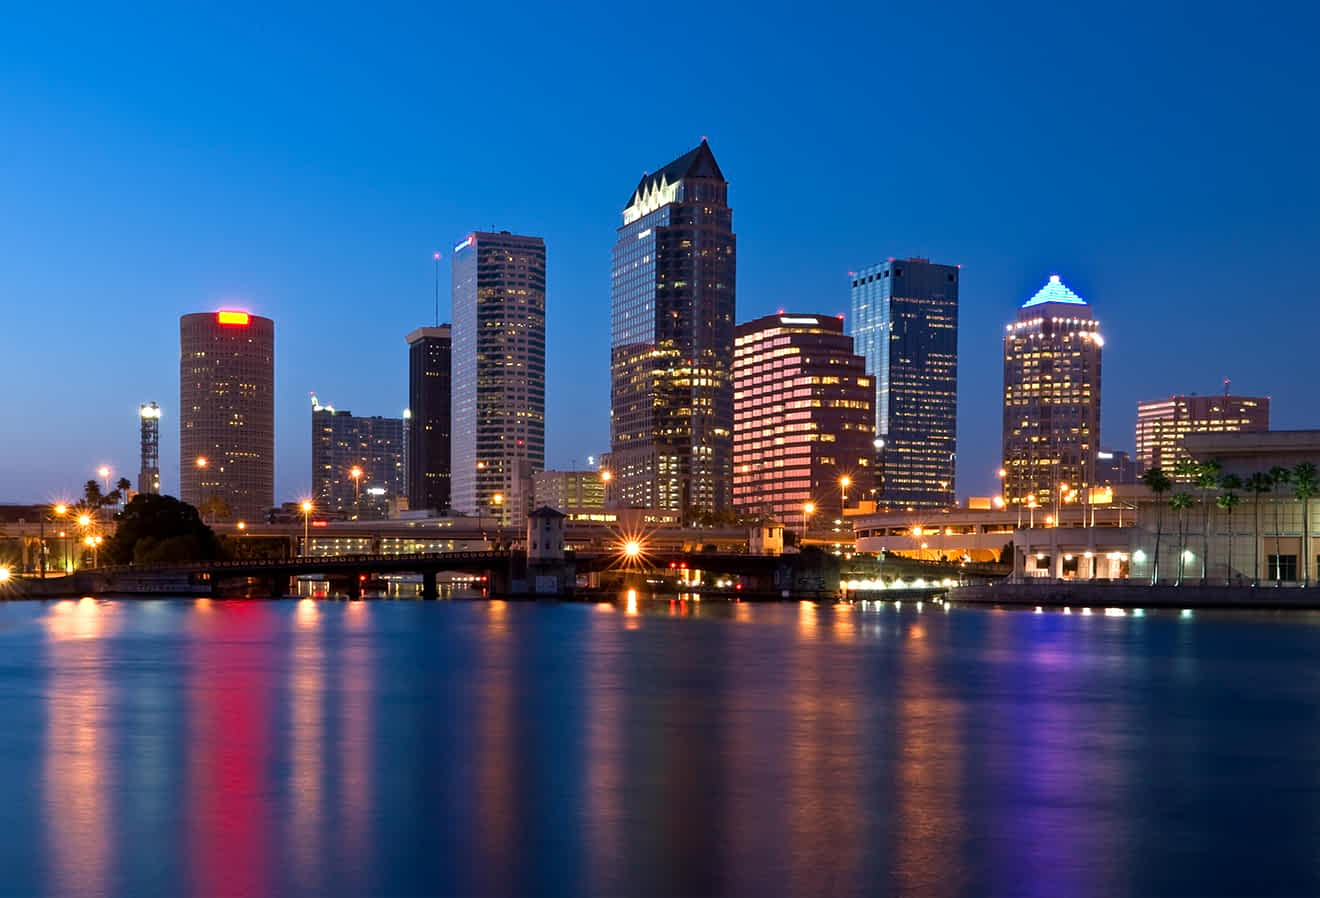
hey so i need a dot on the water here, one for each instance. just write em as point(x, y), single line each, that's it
point(466, 748)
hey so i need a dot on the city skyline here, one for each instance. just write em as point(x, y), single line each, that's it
point(327, 222)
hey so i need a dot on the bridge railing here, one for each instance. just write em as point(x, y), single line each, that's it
point(303, 561)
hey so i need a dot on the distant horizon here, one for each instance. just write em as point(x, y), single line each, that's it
point(308, 170)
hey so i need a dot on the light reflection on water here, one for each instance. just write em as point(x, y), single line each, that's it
point(654, 746)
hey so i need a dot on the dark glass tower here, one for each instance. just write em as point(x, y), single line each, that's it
point(905, 322)
point(429, 416)
point(671, 349)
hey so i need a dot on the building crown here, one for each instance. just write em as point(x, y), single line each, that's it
point(1054, 290)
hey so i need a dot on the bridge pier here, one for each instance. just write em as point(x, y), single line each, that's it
point(429, 589)
point(279, 586)
point(355, 586)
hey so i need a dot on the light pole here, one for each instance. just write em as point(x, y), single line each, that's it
point(307, 521)
point(808, 508)
point(1031, 512)
point(844, 482)
point(356, 473)
point(498, 501)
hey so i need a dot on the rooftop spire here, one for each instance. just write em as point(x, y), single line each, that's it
point(1054, 291)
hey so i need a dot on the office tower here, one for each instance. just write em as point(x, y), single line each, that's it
point(1162, 424)
point(803, 419)
point(1051, 397)
point(499, 373)
point(149, 448)
point(1114, 467)
point(671, 348)
point(357, 463)
point(227, 413)
point(569, 489)
point(905, 322)
point(428, 417)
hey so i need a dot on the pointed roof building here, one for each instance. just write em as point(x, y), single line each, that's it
point(1054, 290)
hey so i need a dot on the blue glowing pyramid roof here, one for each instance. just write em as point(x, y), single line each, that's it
point(1055, 291)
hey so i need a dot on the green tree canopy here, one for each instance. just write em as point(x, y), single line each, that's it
point(154, 529)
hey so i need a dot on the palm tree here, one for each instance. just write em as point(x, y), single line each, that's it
point(1305, 485)
point(1279, 476)
point(1207, 478)
point(1180, 502)
point(124, 487)
point(1258, 484)
point(1158, 483)
point(92, 493)
point(1227, 501)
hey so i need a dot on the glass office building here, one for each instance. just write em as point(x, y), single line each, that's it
point(671, 349)
point(427, 427)
point(498, 408)
point(1051, 398)
point(905, 324)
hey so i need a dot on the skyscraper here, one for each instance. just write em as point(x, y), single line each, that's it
point(905, 322)
point(1051, 396)
point(227, 413)
point(671, 347)
point(1163, 423)
point(498, 373)
point(429, 410)
point(357, 462)
point(804, 418)
point(149, 448)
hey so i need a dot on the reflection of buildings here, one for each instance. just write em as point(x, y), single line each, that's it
point(1051, 396)
point(1162, 424)
point(80, 765)
point(671, 348)
point(227, 413)
point(803, 417)
point(905, 320)
point(498, 373)
point(344, 444)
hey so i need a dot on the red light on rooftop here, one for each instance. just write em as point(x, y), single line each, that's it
point(435, 256)
point(228, 317)
point(320, 523)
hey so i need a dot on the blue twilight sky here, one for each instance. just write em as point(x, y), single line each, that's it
point(304, 162)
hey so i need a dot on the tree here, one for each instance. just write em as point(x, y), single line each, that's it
point(1305, 485)
point(1180, 502)
point(1158, 483)
point(92, 494)
point(1227, 501)
point(1207, 478)
point(156, 529)
point(1279, 477)
point(1258, 484)
point(123, 487)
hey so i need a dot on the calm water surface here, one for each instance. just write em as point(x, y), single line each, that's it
point(465, 748)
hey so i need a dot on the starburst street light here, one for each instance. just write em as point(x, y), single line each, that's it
point(306, 507)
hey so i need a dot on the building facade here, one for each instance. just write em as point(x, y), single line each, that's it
point(671, 346)
point(149, 448)
point(357, 463)
point(1114, 467)
point(428, 418)
point(569, 489)
point(498, 407)
point(227, 413)
point(1162, 424)
point(1051, 397)
point(804, 418)
point(905, 323)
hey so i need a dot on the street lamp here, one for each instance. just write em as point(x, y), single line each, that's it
point(498, 501)
point(844, 482)
point(306, 507)
point(356, 473)
point(808, 508)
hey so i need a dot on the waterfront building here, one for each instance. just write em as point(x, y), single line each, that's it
point(804, 419)
point(905, 323)
point(227, 413)
point(428, 418)
point(149, 448)
point(498, 382)
point(1163, 424)
point(671, 346)
point(357, 463)
point(1051, 398)
point(563, 490)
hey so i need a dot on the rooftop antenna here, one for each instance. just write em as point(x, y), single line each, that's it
point(1227, 383)
point(436, 257)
